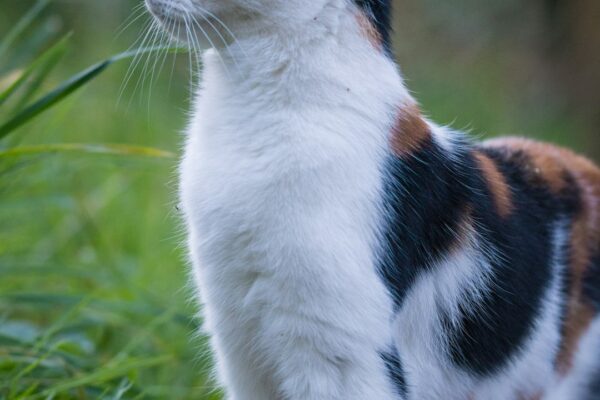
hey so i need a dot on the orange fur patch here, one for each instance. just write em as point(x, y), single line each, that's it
point(496, 183)
point(369, 31)
point(537, 396)
point(410, 131)
point(546, 159)
point(585, 243)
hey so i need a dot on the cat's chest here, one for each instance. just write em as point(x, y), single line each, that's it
point(275, 197)
point(250, 189)
point(256, 167)
point(240, 202)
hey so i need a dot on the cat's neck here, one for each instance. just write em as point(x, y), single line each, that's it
point(332, 69)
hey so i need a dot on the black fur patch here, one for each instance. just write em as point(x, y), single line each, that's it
point(591, 283)
point(395, 371)
point(425, 202)
point(489, 338)
point(594, 386)
point(380, 12)
point(427, 197)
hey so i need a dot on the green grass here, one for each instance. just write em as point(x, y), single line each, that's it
point(93, 298)
point(93, 295)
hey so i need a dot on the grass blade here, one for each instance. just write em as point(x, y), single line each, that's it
point(42, 65)
point(44, 71)
point(105, 374)
point(68, 87)
point(55, 96)
point(106, 149)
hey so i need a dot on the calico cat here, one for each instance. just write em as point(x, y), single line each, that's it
point(345, 247)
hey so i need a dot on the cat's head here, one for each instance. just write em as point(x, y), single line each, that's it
point(206, 16)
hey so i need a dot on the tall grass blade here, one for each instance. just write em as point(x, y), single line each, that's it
point(55, 96)
point(68, 87)
point(107, 149)
point(43, 72)
point(40, 67)
point(103, 375)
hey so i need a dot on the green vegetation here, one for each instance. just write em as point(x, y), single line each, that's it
point(92, 280)
point(93, 295)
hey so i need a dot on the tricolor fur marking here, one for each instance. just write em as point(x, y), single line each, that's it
point(345, 247)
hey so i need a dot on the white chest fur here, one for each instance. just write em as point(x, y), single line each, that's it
point(280, 184)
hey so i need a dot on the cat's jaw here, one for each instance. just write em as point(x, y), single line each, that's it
point(206, 24)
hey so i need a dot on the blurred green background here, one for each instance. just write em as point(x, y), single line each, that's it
point(94, 301)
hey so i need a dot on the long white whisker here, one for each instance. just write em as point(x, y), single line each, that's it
point(168, 41)
point(161, 42)
point(143, 76)
point(223, 40)
point(229, 32)
point(151, 38)
point(195, 44)
point(195, 21)
point(197, 48)
point(136, 59)
point(137, 45)
point(135, 15)
point(190, 55)
point(165, 42)
point(174, 57)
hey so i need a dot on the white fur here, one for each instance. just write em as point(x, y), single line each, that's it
point(462, 279)
point(534, 371)
point(459, 280)
point(281, 220)
point(576, 385)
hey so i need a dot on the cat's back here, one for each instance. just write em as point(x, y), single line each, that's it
point(570, 185)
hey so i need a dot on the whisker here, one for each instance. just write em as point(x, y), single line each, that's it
point(149, 41)
point(205, 34)
point(223, 40)
point(144, 75)
point(197, 45)
point(197, 49)
point(160, 60)
point(136, 45)
point(190, 55)
point(174, 58)
point(168, 42)
point(136, 14)
point(229, 32)
point(136, 59)
point(161, 42)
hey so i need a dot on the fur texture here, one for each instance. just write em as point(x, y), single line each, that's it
point(344, 247)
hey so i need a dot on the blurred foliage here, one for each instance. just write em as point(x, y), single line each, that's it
point(93, 298)
point(506, 67)
point(91, 291)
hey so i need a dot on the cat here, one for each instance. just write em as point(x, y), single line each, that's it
point(346, 247)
